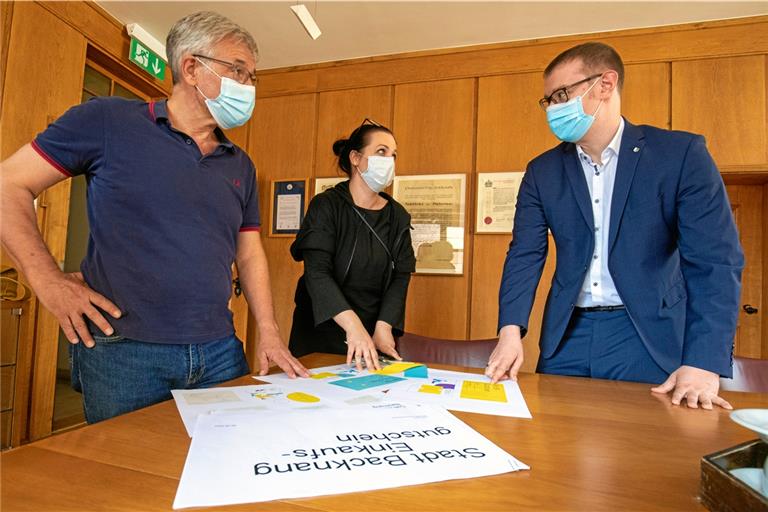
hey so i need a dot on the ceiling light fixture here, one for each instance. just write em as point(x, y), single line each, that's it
point(307, 20)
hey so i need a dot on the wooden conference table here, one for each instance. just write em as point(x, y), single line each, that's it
point(592, 445)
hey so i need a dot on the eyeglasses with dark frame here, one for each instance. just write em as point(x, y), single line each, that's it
point(561, 95)
point(241, 74)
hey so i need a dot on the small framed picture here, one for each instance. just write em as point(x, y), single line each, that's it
point(289, 202)
point(323, 184)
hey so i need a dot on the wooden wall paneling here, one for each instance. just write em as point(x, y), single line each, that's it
point(6, 19)
point(339, 113)
point(723, 99)
point(282, 145)
point(659, 44)
point(434, 126)
point(434, 123)
point(646, 95)
point(488, 263)
point(103, 31)
point(511, 127)
point(29, 100)
point(748, 208)
point(29, 105)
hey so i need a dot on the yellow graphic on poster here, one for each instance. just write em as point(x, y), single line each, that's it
point(323, 375)
point(298, 396)
point(483, 391)
point(429, 388)
point(397, 368)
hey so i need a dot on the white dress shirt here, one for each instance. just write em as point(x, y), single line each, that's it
point(598, 288)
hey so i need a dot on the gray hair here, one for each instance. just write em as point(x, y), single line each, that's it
point(198, 33)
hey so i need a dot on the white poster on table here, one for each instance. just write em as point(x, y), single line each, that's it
point(252, 458)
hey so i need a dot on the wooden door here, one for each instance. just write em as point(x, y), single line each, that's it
point(33, 96)
point(748, 210)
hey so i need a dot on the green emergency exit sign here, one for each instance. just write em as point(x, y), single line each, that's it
point(146, 59)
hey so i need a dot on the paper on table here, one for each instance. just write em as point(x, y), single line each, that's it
point(366, 382)
point(248, 458)
point(407, 369)
point(191, 403)
point(468, 392)
point(348, 385)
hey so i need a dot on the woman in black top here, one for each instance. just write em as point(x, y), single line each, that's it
point(355, 242)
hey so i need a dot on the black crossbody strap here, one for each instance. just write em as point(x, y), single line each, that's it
point(389, 253)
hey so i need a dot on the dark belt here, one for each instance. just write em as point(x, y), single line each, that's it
point(601, 308)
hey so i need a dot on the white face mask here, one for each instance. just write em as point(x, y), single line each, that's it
point(380, 172)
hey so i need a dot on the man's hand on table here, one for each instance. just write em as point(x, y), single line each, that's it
point(272, 350)
point(507, 357)
point(695, 386)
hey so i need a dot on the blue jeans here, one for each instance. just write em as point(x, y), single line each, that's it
point(119, 375)
point(603, 345)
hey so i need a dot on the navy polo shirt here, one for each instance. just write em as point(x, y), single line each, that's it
point(164, 219)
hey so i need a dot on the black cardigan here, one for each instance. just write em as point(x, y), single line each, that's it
point(332, 226)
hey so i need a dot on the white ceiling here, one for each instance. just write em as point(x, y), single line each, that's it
point(368, 28)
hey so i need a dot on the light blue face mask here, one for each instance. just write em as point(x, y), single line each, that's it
point(568, 121)
point(234, 104)
point(380, 173)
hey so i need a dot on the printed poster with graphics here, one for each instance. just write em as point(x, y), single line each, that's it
point(346, 384)
point(192, 403)
point(281, 455)
point(467, 392)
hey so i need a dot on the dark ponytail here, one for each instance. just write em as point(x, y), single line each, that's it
point(357, 140)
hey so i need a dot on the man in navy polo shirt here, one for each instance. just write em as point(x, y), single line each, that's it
point(171, 204)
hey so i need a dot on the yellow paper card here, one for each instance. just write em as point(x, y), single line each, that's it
point(323, 375)
point(396, 368)
point(429, 388)
point(483, 391)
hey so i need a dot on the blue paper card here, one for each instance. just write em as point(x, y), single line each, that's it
point(369, 381)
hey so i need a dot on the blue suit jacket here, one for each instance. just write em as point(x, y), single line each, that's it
point(674, 252)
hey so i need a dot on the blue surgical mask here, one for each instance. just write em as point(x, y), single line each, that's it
point(234, 104)
point(380, 172)
point(568, 121)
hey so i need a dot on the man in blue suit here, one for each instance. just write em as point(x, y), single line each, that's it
point(648, 274)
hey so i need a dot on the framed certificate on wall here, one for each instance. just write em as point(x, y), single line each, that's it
point(436, 203)
point(286, 210)
point(496, 200)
